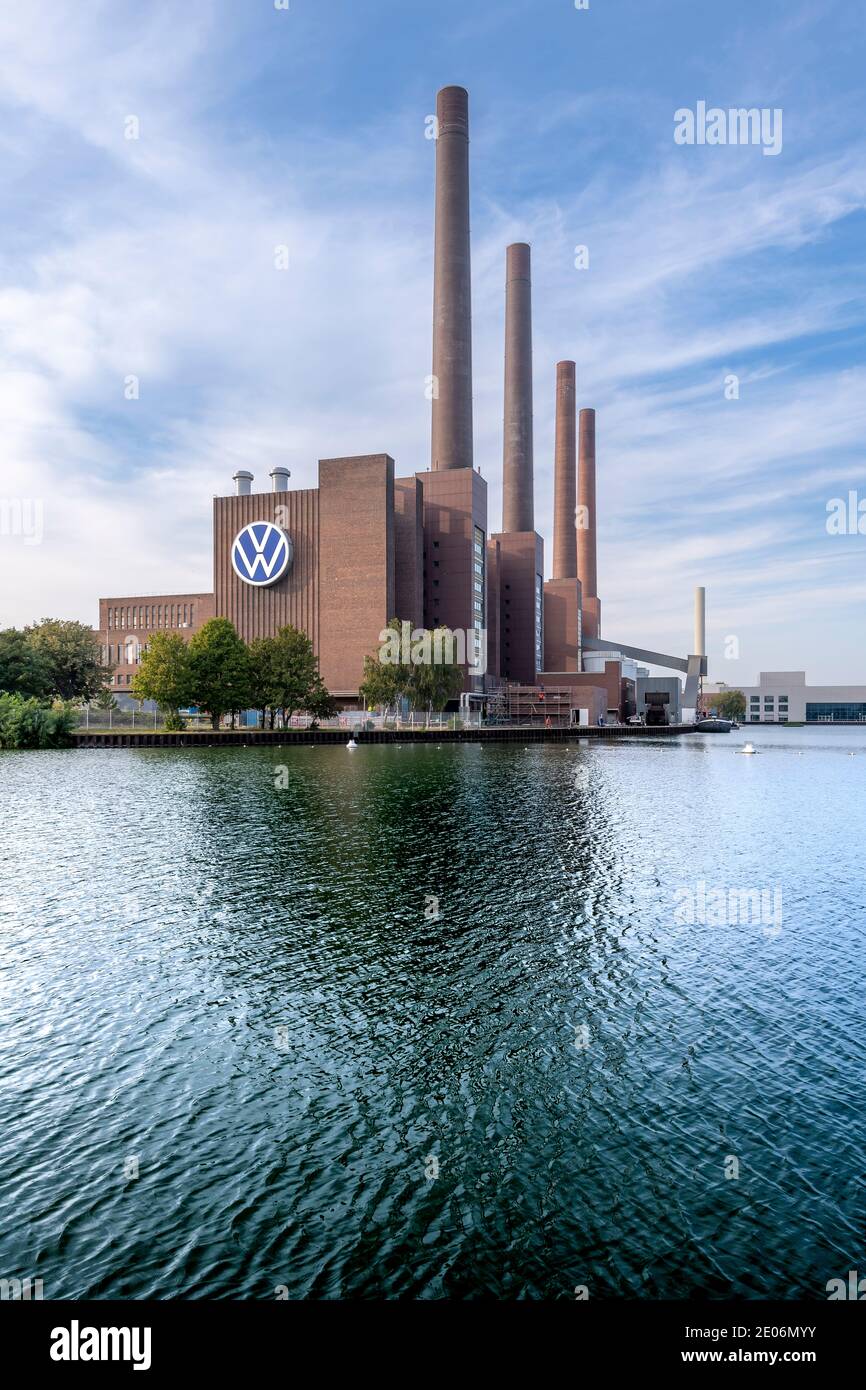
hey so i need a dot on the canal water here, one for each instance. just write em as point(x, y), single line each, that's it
point(435, 1022)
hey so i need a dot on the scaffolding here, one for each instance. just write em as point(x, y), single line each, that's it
point(541, 708)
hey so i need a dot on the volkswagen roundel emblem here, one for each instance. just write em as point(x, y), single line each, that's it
point(261, 553)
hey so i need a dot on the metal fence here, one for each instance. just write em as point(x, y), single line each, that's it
point(95, 720)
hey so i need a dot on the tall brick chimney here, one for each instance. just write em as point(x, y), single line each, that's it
point(517, 468)
point(452, 286)
point(565, 474)
point(586, 527)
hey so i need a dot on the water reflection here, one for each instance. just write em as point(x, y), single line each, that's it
point(423, 1022)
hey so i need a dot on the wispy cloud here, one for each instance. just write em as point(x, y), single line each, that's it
point(155, 258)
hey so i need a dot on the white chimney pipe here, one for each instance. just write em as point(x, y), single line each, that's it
point(700, 648)
point(280, 478)
point(243, 482)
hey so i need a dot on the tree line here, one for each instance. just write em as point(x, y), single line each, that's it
point(49, 668)
point(45, 669)
point(218, 672)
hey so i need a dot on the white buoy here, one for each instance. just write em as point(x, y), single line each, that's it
point(748, 748)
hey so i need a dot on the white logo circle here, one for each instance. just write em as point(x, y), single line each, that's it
point(261, 554)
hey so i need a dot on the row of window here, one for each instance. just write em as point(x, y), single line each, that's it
point(122, 653)
point(478, 596)
point(151, 615)
point(769, 705)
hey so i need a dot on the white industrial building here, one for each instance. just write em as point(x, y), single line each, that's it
point(783, 697)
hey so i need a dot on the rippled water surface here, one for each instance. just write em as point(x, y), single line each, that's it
point(246, 995)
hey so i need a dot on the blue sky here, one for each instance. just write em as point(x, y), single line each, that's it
point(305, 128)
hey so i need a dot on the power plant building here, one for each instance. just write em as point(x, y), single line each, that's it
point(342, 559)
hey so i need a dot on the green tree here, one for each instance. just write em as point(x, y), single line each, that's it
point(387, 677)
point(219, 667)
point(294, 673)
point(264, 690)
point(34, 723)
point(72, 657)
point(428, 679)
point(439, 679)
point(105, 699)
point(730, 704)
point(23, 670)
point(320, 703)
point(163, 674)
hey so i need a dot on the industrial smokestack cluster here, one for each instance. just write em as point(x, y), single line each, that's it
point(520, 549)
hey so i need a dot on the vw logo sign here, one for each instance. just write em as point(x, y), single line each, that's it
point(261, 554)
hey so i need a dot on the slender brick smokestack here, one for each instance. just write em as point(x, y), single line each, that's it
point(565, 474)
point(452, 298)
point(586, 556)
point(517, 480)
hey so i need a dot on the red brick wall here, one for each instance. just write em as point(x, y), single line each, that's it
point(294, 599)
point(562, 625)
point(409, 551)
point(494, 564)
point(140, 615)
point(609, 680)
point(455, 501)
point(356, 559)
point(522, 559)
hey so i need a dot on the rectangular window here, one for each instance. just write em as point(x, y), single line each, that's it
point(827, 712)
